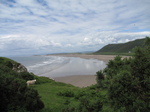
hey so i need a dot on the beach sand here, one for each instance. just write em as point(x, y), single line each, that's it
point(83, 80)
point(78, 80)
point(86, 56)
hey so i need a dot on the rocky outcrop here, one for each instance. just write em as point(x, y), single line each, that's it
point(19, 68)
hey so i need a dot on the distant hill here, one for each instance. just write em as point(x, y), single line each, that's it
point(122, 47)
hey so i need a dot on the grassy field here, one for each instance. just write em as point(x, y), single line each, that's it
point(59, 97)
point(49, 91)
point(51, 100)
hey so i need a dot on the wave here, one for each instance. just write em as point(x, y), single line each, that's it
point(48, 64)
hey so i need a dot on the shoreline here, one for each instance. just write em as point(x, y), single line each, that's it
point(105, 58)
point(82, 80)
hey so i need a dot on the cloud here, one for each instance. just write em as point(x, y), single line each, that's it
point(68, 45)
point(74, 25)
point(99, 39)
point(19, 44)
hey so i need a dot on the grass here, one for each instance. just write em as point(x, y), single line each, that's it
point(55, 95)
point(49, 89)
point(4, 60)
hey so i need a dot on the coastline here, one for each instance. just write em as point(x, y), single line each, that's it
point(82, 80)
point(105, 58)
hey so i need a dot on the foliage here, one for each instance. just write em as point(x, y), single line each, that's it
point(128, 80)
point(66, 93)
point(68, 98)
point(100, 78)
point(87, 105)
point(15, 95)
point(5, 61)
point(26, 76)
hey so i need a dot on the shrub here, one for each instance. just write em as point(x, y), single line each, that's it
point(66, 93)
point(15, 95)
point(26, 76)
point(87, 105)
point(100, 78)
point(80, 94)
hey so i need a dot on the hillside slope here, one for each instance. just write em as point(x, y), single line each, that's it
point(122, 47)
point(12, 64)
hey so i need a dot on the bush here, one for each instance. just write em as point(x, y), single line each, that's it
point(80, 94)
point(87, 105)
point(100, 78)
point(66, 93)
point(15, 95)
point(32, 99)
point(26, 76)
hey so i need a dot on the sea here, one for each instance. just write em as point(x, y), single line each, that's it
point(55, 66)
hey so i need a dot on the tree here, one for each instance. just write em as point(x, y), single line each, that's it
point(15, 95)
point(100, 78)
point(129, 81)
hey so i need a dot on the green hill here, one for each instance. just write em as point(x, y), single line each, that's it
point(121, 48)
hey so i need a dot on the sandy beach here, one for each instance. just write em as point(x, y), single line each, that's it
point(78, 80)
point(86, 56)
point(83, 80)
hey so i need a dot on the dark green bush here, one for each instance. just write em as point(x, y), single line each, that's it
point(100, 78)
point(80, 94)
point(67, 93)
point(87, 105)
point(15, 95)
point(26, 76)
point(9, 64)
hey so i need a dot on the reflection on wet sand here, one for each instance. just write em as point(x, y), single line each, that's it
point(78, 66)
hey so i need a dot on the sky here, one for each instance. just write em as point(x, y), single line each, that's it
point(29, 27)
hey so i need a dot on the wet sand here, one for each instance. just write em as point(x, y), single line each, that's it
point(86, 56)
point(78, 80)
point(83, 80)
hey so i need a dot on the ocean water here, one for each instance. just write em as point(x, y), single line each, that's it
point(55, 66)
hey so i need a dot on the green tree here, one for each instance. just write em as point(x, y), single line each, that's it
point(129, 81)
point(99, 78)
point(15, 95)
